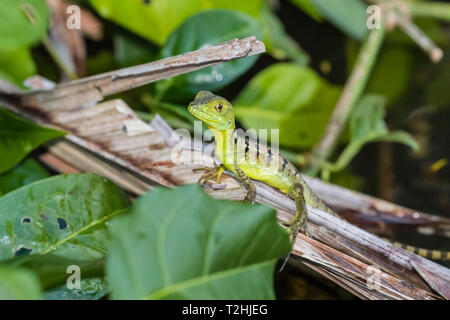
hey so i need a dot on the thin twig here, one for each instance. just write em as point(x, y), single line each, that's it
point(398, 13)
point(48, 45)
point(416, 34)
point(68, 43)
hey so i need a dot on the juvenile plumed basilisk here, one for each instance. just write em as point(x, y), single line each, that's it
point(249, 160)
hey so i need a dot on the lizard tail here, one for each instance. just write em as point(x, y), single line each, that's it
point(425, 253)
point(300, 192)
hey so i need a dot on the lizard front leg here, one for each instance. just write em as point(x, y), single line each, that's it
point(210, 173)
point(249, 185)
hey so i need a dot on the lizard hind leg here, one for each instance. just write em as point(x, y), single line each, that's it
point(210, 173)
point(299, 222)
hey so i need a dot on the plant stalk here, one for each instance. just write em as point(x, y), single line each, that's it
point(350, 95)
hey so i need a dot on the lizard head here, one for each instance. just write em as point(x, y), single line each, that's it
point(216, 112)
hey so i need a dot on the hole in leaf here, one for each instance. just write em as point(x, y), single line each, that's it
point(61, 223)
point(22, 251)
point(26, 220)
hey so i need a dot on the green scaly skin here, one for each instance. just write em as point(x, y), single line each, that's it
point(248, 159)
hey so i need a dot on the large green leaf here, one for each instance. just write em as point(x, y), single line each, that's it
point(347, 15)
point(18, 137)
point(183, 244)
point(54, 271)
point(202, 29)
point(24, 173)
point(16, 29)
point(65, 215)
point(16, 65)
point(19, 284)
point(367, 125)
point(288, 97)
point(156, 19)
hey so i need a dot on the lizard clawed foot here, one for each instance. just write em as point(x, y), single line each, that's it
point(296, 225)
point(251, 194)
point(210, 173)
point(294, 228)
point(305, 230)
point(249, 199)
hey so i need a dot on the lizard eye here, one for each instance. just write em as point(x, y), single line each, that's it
point(219, 107)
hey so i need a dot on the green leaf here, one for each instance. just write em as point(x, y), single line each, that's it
point(19, 284)
point(52, 269)
point(24, 173)
point(183, 244)
point(64, 215)
point(156, 19)
point(208, 28)
point(19, 137)
point(278, 43)
point(350, 17)
point(367, 125)
point(291, 98)
point(17, 31)
point(54, 273)
point(16, 65)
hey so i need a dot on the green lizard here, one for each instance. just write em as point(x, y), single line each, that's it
point(251, 160)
